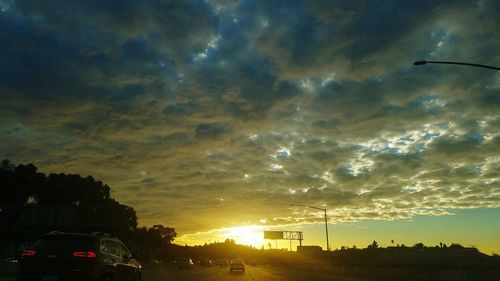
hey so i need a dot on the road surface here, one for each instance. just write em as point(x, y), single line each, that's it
point(214, 273)
point(252, 273)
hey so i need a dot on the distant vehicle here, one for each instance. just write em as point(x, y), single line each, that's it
point(206, 262)
point(11, 260)
point(221, 262)
point(184, 263)
point(237, 265)
point(60, 256)
point(253, 263)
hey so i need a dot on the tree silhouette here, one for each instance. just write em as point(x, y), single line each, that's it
point(153, 242)
point(32, 203)
point(373, 245)
point(229, 241)
point(456, 246)
point(419, 246)
point(6, 165)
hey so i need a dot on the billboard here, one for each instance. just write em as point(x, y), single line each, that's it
point(273, 235)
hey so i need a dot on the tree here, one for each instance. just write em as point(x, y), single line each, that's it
point(153, 242)
point(73, 202)
point(373, 245)
point(6, 165)
point(166, 234)
point(84, 201)
point(456, 246)
point(230, 241)
point(419, 246)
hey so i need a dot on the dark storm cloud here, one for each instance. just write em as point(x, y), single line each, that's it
point(211, 131)
point(107, 48)
point(244, 107)
point(322, 37)
point(28, 63)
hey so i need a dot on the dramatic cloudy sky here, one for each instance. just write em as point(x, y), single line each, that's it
point(205, 115)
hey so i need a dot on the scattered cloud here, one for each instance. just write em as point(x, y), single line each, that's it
point(243, 107)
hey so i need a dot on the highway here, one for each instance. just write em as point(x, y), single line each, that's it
point(252, 273)
point(214, 273)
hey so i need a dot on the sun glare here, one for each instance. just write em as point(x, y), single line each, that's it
point(251, 235)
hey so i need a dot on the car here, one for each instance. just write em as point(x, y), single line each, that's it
point(205, 262)
point(184, 263)
point(59, 256)
point(11, 260)
point(221, 262)
point(237, 265)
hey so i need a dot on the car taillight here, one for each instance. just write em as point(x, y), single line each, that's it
point(28, 253)
point(84, 254)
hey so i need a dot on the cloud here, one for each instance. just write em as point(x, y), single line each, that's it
point(211, 130)
point(243, 107)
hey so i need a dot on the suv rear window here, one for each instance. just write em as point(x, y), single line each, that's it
point(62, 243)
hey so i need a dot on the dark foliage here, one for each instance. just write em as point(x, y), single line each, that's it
point(153, 243)
point(373, 245)
point(32, 203)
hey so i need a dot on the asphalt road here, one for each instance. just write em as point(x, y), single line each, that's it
point(252, 273)
point(214, 273)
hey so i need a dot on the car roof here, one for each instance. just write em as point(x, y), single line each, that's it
point(82, 235)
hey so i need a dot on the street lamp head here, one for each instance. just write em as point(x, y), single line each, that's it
point(422, 62)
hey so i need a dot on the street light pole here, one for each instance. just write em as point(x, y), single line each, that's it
point(326, 222)
point(424, 62)
point(326, 228)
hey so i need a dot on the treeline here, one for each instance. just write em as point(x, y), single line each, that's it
point(419, 255)
point(375, 245)
point(32, 203)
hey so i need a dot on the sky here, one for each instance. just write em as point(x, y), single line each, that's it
point(214, 116)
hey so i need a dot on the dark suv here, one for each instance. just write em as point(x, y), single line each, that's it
point(58, 256)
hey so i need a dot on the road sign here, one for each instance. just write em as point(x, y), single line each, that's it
point(273, 235)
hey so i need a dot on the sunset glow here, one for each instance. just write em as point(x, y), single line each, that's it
point(213, 117)
point(251, 235)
